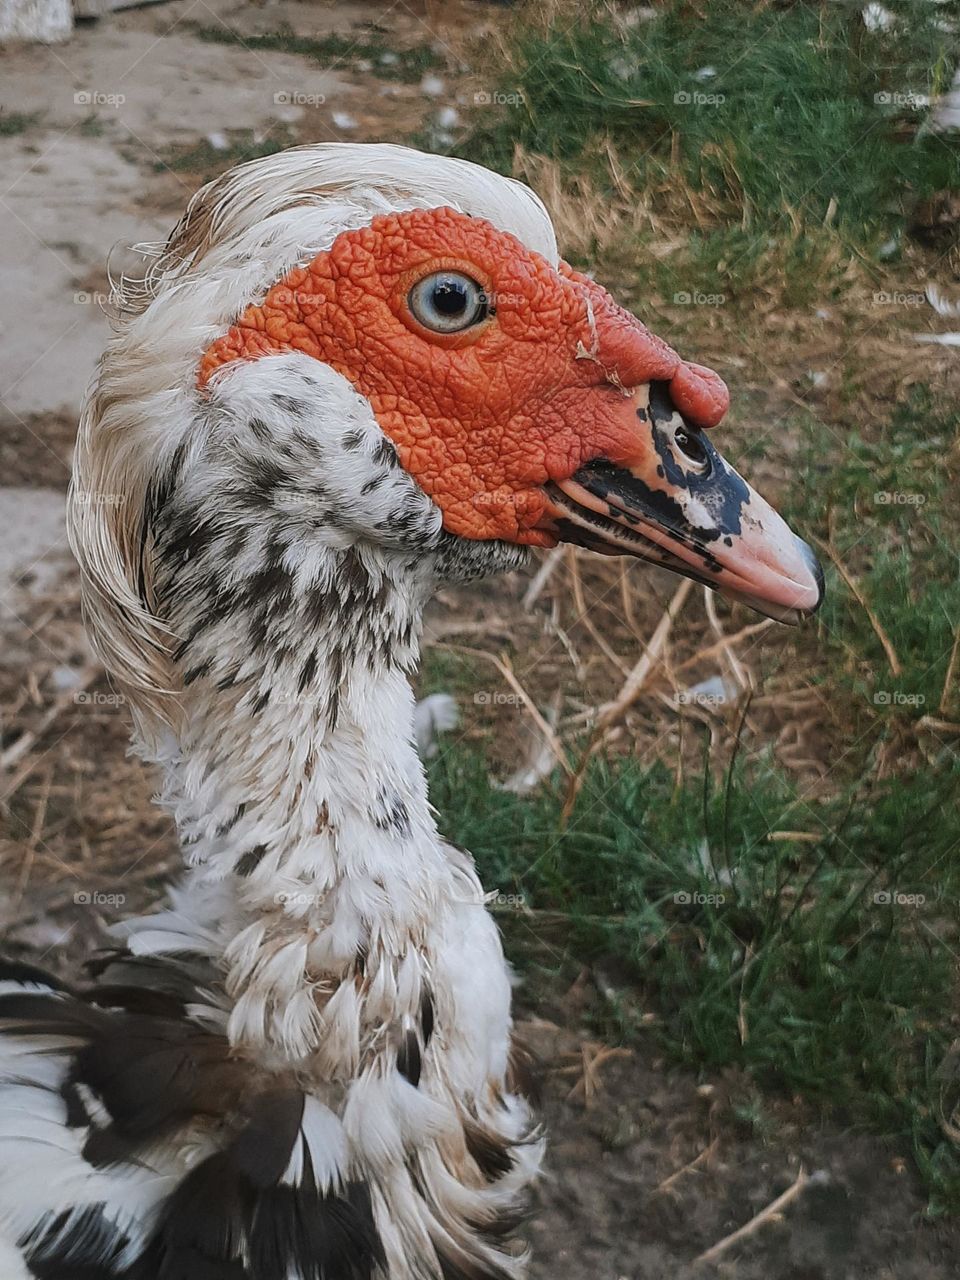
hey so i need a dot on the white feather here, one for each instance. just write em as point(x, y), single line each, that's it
point(323, 1137)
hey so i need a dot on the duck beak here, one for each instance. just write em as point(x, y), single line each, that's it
point(676, 502)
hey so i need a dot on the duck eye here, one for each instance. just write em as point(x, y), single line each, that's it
point(448, 302)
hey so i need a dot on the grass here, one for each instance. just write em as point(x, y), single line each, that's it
point(209, 160)
point(336, 51)
point(746, 128)
point(14, 122)
point(885, 500)
point(777, 957)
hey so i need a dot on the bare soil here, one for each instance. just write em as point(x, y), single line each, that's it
point(648, 1166)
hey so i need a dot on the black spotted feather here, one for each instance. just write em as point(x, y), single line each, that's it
point(140, 1073)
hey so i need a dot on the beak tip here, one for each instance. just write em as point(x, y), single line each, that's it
point(815, 569)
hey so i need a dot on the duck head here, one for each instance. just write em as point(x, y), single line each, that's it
point(527, 404)
point(363, 354)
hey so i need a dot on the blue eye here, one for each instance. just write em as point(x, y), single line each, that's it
point(448, 302)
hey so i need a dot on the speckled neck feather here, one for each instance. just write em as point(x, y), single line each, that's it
point(294, 781)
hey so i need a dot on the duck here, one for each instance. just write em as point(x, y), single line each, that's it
point(352, 373)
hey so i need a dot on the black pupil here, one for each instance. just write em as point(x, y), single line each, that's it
point(691, 446)
point(450, 297)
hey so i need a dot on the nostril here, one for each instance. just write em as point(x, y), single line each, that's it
point(690, 444)
point(685, 436)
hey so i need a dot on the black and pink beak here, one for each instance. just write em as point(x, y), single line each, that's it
point(680, 505)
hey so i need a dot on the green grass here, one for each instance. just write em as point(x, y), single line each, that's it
point(14, 122)
point(335, 51)
point(890, 500)
point(92, 127)
point(784, 964)
point(203, 158)
point(807, 120)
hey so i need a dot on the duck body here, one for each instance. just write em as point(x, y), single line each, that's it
point(352, 373)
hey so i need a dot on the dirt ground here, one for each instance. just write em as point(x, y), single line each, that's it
point(648, 1167)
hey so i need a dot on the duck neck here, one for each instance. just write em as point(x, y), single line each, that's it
point(292, 555)
point(285, 754)
point(301, 801)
